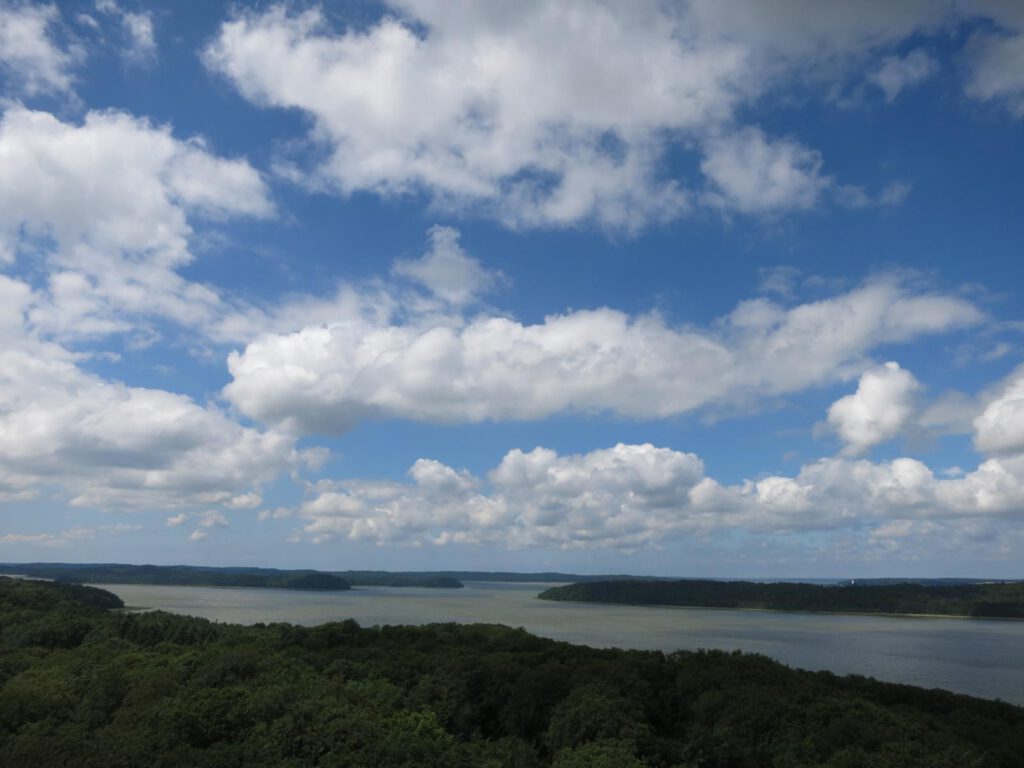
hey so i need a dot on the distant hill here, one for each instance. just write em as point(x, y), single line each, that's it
point(983, 599)
point(241, 576)
point(309, 579)
point(549, 577)
point(180, 575)
point(923, 582)
point(227, 576)
point(400, 579)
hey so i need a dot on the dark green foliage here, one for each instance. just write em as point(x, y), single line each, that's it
point(320, 581)
point(34, 595)
point(84, 686)
point(201, 576)
point(180, 575)
point(541, 576)
point(400, 579)
point(993, 600)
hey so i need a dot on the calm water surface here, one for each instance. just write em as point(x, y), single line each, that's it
point(975, 656)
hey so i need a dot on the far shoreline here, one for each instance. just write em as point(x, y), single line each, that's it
point(1000, 600)
point(802, 612)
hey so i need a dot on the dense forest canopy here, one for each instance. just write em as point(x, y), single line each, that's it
point(992, 600)
point(82, 685)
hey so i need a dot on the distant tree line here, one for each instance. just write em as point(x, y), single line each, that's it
point(210, 576)
point(400, 579)
point(203, 576)
point(181, 575)
point(983, 599)
point(82, 685)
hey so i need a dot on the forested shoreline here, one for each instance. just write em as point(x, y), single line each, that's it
point(84, 685)
point(980, 600)
point(209, 576)
point(244, 576)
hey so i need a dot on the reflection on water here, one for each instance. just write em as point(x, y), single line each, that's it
point(979, 657)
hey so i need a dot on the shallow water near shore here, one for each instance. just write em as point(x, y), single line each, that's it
point(975, 656)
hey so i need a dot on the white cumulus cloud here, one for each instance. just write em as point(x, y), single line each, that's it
point(999, 428)
point(996, 56)
point(31, 57)
point(880, 409)
point(561, 111)
point(101, 443)
point(446, 270)
point(752, 174)
point(370, 363)
point(622, 496)
point(634, 496)
point(104, 207)
point(137, 27)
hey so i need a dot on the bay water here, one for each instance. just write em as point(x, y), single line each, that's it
point(981, 657)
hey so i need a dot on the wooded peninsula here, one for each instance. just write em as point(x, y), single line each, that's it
point(83, 683)
point(1003, 600)
point(203, 576)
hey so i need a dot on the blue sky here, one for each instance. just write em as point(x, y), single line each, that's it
point(686, 288)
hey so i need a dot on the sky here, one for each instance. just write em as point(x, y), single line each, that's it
point(677, 288)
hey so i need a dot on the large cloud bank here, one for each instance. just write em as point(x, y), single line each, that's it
point(369, 364)
point(551, 113)
point(633, 496)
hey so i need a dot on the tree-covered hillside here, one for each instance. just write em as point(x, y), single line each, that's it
point(180, 575)
point(426, 579)
point(81, 685)
point(980, 600)
point(210, 576)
